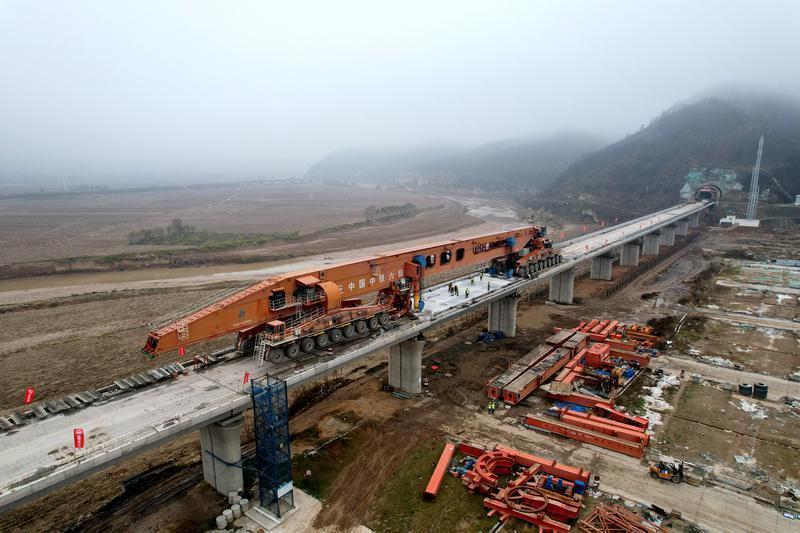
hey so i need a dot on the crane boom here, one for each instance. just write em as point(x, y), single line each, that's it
point(290, 309)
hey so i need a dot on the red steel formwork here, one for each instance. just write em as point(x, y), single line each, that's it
point(535, 376)
point(607, 427)
point(619, 416)
point(634, 449)
point(439, 472)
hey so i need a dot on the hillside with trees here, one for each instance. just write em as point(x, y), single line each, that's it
point(646, 170)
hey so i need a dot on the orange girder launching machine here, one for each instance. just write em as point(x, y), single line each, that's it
point(284, 315)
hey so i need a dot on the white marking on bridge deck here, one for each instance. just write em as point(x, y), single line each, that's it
point(439, 299)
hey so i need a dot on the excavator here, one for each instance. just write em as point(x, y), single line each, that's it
point(285, 315)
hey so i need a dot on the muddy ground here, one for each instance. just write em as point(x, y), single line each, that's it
point(374, 475)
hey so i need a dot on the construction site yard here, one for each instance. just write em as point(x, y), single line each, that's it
point(368, 455)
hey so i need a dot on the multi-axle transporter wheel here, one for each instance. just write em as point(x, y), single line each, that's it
point(276, 355)
point(292, 350)
point(307, 344)
point(323, 341)
point(361, 327)
point(383, 319)
point(349, 331)
point(373, 323)
point(335, 335)
point(247, 345)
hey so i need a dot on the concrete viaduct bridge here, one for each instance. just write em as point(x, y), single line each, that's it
point(38, 457)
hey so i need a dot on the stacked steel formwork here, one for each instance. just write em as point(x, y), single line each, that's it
point(616, 519)
point(273, 456)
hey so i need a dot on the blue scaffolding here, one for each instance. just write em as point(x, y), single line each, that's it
point(273, 457)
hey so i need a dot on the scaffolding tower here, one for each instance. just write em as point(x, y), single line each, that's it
point(273, 457)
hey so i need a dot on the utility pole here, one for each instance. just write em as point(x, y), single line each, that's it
point(751, 205)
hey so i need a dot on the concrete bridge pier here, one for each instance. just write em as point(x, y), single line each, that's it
point(405, 365)
point(694, 220)
point(652, 241)
point(562, 286)
point(682, 228)
point(630, 254)
point(601, 267)
point(221, 449)
point(668, 236)
point(503, 315)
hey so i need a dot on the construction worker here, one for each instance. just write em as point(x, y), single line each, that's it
point(456, 287)
point(491, 406)
point(481, 278)
point(466, 292)
point(489, 286)
point(472, 281)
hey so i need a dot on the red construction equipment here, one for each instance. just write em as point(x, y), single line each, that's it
point(531, 379)
point(634, 449)
point(543, 492)
point(536, 367)
point(616, 519)
point(495, 387)
point(603, 425)
point(613, 414)
point(316, 308)
point(439, 472)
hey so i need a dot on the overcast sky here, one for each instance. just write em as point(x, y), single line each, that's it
point(265, 88)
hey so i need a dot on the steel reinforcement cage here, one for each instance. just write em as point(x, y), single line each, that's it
point(273, 456)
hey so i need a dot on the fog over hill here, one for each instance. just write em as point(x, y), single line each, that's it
point(526, 162)
point(646, 169)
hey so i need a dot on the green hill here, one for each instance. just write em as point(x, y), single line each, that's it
point(646, 169)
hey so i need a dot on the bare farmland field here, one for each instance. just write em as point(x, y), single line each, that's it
point(97, 224)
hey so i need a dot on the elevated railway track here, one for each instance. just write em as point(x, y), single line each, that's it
point(38, 457)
